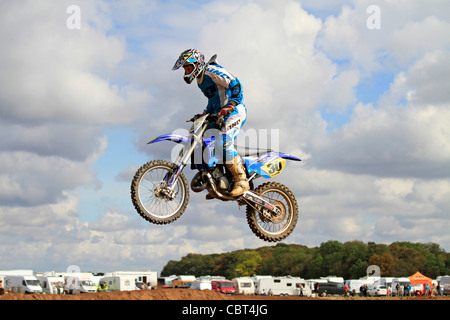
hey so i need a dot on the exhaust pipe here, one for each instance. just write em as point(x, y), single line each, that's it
point(198, 183)
point(212, 188)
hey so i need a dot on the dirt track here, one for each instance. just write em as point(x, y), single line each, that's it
point(183, 294)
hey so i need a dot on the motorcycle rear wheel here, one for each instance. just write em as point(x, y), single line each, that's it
point(265, 224)
point(152, 204)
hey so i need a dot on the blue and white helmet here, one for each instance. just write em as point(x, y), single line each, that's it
point(191, 57)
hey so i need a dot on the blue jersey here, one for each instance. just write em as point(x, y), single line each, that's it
point(220, 87)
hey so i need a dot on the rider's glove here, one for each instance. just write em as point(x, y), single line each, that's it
point(226, 111)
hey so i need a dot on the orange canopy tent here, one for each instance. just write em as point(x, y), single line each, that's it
point(419, 278)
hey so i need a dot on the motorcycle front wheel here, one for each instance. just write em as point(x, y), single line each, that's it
point(152, 199)
point(267, 225)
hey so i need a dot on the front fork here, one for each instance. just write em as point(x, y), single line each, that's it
point(170, 179)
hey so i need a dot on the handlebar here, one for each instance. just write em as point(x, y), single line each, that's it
point(212, 117)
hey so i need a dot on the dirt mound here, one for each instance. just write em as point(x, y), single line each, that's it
point(164, 294)
point(185, 294)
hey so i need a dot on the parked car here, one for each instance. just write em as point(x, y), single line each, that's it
point(445, 282)
point(329, 288)
point(376, 290)
point(222, 286)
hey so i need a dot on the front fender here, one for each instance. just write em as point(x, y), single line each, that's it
point(287, 156)
point(170, 137)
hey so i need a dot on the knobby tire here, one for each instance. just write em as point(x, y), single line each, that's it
point(261, 226)
point(137, 184)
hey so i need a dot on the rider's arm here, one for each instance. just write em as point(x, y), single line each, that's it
point(235, 92)
point(235, 97)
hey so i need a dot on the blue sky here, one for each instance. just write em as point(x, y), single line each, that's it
point(119, 155)
point(367, 110)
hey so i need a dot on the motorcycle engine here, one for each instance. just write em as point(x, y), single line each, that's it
point(220, 179)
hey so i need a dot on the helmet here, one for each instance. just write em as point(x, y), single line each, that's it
point(191, 57)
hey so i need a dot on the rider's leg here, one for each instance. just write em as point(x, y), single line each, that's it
point(240, 177)
point(233, 161)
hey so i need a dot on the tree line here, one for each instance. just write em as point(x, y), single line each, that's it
point(349, 260)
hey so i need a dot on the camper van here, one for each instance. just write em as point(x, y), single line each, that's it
point(244, 286)
point(51, 285)
point(75, 284)
point(22, 284)
point(283, 286)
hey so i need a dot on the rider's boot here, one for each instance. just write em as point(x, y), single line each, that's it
point(240, 178)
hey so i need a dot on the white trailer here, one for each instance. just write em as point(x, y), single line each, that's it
point(333, 279)
point(16, 273)
point(356, 284)
point(283, 286)
point(51, 285)
point(120, 283)
point(386, 281)
point(22, 284)
point(402, 283)
point(244, 285)
point(149, 278)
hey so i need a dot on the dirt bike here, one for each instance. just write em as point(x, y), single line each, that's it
point(160, 190)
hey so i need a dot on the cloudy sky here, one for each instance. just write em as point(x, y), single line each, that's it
point(358, 89)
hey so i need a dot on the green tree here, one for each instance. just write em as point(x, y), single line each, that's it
point(385, 262)
point(349, 260)
point(315, 269)
point(356, 254)
point(357, 270)
point(247, 264)
point(377, 248)
point(332, 253)
point(409, 259)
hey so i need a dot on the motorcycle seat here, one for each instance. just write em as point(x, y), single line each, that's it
point(247, 151)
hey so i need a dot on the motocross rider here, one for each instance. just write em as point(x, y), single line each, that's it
point(224, 93)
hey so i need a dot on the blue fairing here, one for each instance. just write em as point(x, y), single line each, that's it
point(170, 137)
point(268, 165)
point(287, 156)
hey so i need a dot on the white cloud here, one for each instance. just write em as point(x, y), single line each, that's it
point(273, 55)
point(50, 73)
point(415, 39)
point(29, 179)
point(405, 135)
point(422, 84)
